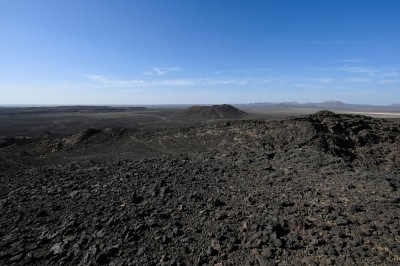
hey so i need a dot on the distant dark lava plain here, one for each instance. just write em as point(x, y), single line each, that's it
point(321, 189)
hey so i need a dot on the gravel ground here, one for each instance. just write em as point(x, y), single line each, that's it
point(314, 190)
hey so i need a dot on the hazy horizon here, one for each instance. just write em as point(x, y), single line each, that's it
point(198, 52)
point(202, 104)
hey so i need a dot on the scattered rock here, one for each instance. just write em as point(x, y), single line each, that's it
point(215, 245)
point(319, 189)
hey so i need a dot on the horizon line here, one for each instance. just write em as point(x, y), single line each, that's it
point(163, 104)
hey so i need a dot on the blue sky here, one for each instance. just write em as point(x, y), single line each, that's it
point(176, 51)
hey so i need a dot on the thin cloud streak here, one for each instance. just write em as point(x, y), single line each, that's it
point(106, 80)
point(245, 70)
point(354, 77)
point(162, 70)
point(348, 61)
point(358, 70)
point(371, 71)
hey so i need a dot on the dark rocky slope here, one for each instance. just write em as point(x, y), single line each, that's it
point(315, 190)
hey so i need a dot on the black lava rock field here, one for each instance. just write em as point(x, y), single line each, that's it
point(321, 189)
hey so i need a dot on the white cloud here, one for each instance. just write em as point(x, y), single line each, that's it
point(225, 81)
point(245, 70)
point(96, 78)
point(109, 81)
point(371, 71)
point(162, 70)
point(358, 70)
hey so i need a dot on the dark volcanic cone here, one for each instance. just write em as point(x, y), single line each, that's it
point(223, 111)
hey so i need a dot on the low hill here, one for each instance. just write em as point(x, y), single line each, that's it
point(224, 111)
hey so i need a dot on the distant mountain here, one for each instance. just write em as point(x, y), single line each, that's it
point(223, 111)
point(334, 103)
point(328, 105)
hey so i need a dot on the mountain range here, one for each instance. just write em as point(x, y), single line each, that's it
point(331, 105)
